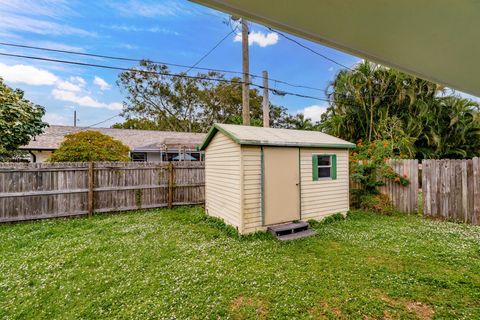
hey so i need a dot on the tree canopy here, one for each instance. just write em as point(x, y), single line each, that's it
point(20, 119)
point(85, 146)
point(156, 101)
point(372, 102)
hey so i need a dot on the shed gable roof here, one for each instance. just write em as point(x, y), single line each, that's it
point(248, 135)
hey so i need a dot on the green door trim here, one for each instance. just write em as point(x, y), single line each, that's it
point(299, 184)
point(262, 173)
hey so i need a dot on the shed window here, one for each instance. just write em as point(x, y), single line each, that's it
point(324, 166)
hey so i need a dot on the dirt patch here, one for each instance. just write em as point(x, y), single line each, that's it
point(422, 311)
point(244, 308)
point(325, 311)
point(387, 316)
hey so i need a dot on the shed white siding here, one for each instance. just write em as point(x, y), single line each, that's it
point(223, 180)
point(325, 196)
point(252, 188)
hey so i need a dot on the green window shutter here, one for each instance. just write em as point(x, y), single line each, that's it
point(334, 167)
point(314, 167)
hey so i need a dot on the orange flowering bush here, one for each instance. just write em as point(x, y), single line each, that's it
point(369, 166)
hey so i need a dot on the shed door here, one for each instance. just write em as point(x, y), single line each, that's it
point(281, 185)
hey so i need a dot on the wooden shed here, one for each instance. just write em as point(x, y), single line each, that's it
point(257, 177)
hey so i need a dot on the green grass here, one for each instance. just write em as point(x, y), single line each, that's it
point(178, 264)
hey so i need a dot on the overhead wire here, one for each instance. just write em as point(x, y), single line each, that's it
point(167, 74)
point(211, 50)
point(93, 55)
point(310, 49)
point(103, 121)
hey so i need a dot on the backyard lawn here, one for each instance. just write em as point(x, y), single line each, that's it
point(177, 264)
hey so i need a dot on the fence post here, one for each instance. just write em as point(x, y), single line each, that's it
point(90, 189)
point(170, 185)
point(476, 191)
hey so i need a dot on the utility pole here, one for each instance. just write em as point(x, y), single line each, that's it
point(74, 118)
point(246, 78)
point(266, 103)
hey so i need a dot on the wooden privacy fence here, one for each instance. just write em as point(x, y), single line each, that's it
point(404, 198)
point(36, 191)
point(451, 189)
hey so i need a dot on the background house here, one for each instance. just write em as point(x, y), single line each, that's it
point(145, 145)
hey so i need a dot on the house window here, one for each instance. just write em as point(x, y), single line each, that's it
point(324, 166)
point(139, 156)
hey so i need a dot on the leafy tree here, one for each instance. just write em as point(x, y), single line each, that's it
point(299, 122)
point(20, 120)
point(452, 130)
point(85, 146)
point(137, 123)
point(160, 102)
point(372, 102)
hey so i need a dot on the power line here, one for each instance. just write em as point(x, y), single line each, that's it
point(273, 90)
point(96, 124)
point(115, 67)
point(157, 62)
point(310, 49)
point(167, 74)
point(211, 50)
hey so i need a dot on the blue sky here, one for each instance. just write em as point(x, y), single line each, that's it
point(174, 31)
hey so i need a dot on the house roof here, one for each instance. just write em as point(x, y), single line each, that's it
point(430, 39)
point(248, 135)
point(136, 140)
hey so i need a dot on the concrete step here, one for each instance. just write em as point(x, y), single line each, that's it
point(297, 235)
point(280, 228)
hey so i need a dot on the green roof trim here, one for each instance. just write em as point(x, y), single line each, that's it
point(215, 128)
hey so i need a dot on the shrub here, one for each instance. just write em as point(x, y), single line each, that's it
point(379, 203)
point(85, 146)
point(369, 166)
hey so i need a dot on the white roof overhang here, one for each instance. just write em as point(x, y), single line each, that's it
point(434, 40)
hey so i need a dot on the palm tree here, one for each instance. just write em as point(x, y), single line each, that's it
point(372, 102)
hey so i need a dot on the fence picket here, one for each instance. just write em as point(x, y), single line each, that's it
point(451, 189)
point(476, 191)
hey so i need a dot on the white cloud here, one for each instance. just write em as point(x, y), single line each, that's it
point(78, 80)
point(313, 112)
point(56, 45)
point(259, 38)
point(126, 46)
point(84, 100)
point(463, 95)
point(67, 85)
point(17, 23)
point(149, 8)
point(48, 8)
point(55, 118)
point(101, 83)
point(131, 28)
point(27, 74)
